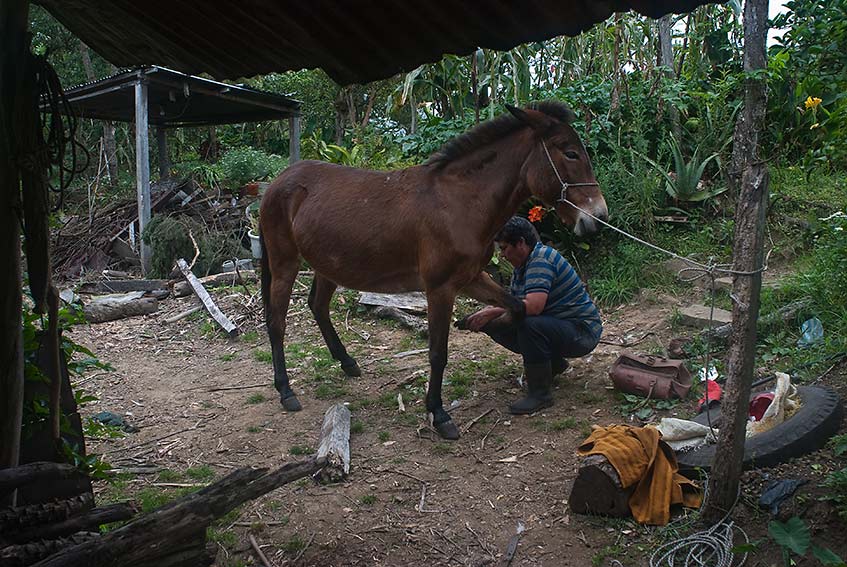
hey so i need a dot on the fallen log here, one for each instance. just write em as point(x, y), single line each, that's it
point(173, 534)
point(29, 553)
point(112, 307)
point(412, 301)
point(765, 325)
point(123, 286)
point(181, 289)
point(408, 321)
point(597, 489)
point(14, 477)
point(208, 303)
point(335, 444)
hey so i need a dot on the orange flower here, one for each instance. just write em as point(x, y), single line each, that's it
point(536, 213)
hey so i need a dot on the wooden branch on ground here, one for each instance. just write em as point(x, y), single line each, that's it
point(335, 443)
point(12, 478)
point(112, 307)
point(408, 321)
point(123, 286)
point(204, 296)
point(183, 315)
point(174, 534)
point(181, 289)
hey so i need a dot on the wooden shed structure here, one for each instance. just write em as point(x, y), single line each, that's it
point(163, 98)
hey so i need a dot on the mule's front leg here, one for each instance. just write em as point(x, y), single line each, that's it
point(439, 311)
point(484, 289)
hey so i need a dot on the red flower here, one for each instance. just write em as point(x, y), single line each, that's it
point(536, 213)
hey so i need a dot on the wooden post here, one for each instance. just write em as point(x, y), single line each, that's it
point(142, 168)
point(748, 256)
point(13, 45)
point(294, 140)
point(164, 158)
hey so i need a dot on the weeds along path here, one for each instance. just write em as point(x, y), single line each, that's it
point(206, 405)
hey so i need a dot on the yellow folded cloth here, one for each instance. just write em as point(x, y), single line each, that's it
point(643, 460)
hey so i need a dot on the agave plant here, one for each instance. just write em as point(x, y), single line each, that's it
point(683, 184)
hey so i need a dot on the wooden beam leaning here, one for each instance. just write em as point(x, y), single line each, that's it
point(208, 303)
point(335, 443)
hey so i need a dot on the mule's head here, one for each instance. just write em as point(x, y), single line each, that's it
point(551, 126)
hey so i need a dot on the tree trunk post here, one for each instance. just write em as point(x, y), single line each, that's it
point(142, 169)
point(293, 140)
point(748, 255)
point(13, 45)
point(667, 62)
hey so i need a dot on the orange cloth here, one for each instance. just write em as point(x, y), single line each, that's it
point(643, 460)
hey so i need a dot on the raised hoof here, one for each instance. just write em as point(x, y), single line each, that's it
point(351, 370)
point(462, 324)
point(291, 403)
point(448, 430)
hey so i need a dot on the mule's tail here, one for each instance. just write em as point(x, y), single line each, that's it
point(264, 264)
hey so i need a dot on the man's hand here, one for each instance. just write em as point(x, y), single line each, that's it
point(481, 318)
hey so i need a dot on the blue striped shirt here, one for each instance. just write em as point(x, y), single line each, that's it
point(545, 270)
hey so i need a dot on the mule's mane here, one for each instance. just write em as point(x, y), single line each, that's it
point(495, 129)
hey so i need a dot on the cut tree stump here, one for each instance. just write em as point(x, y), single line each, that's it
point(208, 303)
point(597, 489)
point(119, 306)
point(698, 316)
point(335, 444)
point(181, 289)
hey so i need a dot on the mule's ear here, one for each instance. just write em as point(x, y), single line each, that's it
point(538, 121)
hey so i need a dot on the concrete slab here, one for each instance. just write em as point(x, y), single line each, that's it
point(698, 316)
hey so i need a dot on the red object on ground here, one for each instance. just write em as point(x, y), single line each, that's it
point(759, 404)
point(714, 391)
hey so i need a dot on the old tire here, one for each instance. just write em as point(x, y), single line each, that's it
point(808, 430)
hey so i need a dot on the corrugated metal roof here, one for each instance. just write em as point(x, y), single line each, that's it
point(177, 99)
point(353, 41)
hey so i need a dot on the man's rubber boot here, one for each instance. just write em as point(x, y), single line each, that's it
point(558, 365)
point(539, 382)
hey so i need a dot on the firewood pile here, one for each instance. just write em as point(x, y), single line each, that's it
point(92, 241)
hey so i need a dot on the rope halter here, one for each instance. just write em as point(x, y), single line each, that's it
point(563, 197)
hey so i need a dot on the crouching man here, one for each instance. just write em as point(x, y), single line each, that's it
point(561, 320)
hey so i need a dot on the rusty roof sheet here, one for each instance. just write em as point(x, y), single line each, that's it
point(354, 41)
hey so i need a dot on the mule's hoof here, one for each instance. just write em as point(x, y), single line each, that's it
point(448, 430)
point(351, 370)
point(291, 403)
point(462, 324)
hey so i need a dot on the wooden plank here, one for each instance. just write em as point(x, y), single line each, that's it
point(335, 443)
point(208, 303)
point(182, 289)
point(413, 301)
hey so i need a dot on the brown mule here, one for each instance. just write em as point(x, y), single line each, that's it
point(429, 227)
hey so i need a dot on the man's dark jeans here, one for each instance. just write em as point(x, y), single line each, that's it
point(541, 338)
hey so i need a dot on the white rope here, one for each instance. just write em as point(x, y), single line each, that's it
point(704, 268)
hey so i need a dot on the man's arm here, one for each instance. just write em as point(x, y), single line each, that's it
point(535, 302)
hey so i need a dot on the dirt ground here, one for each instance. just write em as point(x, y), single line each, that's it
point(205, 403)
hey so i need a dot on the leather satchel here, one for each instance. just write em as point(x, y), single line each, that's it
point(650, 376)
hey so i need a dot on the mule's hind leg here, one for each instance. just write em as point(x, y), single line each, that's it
point(277, 289)
point(319, 296)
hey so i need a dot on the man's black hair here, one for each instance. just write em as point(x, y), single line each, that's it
point(516, 229)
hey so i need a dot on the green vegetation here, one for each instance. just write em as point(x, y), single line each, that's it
point(262, 355)
point(256, 399)
point(298, 450)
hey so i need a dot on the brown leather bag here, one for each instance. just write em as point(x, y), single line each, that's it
point(650, 376)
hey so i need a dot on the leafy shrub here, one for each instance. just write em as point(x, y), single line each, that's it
point(170, 239)
point(243, 165)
